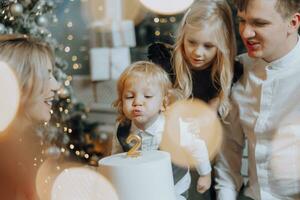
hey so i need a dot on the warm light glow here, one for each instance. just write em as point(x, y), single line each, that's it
point(10, 95)
point(192, 132)
point(284, 160)
point(47, 174)
point(167, 7)
point(82, 183)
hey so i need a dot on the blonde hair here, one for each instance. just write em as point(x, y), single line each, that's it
point(146, 70)
point(217, 14)
point(28, 58)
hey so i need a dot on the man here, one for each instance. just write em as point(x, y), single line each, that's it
point(266, 108)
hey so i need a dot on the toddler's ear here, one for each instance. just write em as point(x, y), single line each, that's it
point(294, 23)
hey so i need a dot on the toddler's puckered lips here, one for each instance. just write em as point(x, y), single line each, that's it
point(137, 112)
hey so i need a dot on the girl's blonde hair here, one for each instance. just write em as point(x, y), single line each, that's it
point(146, 71)
point(217, 14)
point(28, 58)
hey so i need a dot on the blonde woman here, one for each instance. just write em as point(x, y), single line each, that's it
point(201, 63)
point(20, 151)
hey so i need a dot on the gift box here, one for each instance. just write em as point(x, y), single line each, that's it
point(112, 34)
point(108, 63)
point(100, 64)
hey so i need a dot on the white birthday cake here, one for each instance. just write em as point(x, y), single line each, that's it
point(146, 177)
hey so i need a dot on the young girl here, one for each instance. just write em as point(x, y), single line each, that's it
point(144, 92)
point(201, 64)
point(20, 152)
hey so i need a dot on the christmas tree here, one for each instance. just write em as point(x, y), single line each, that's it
point(69, 132)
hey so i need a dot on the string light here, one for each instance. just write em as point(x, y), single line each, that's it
point(163, 20)
point(67, 83)
point(74, 58)
point(67, 49)
point(173, 19)
point(69, 24)
point(70, 37)
point(75, 66)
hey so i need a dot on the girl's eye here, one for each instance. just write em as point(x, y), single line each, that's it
point(208, 46)
point(148, 96)
point(192, 42)
point(128, 97)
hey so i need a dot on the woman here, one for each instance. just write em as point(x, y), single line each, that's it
point(20, 148)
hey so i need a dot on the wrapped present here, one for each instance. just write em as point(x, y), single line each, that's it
point(120, 59)
point(108, 63)
point(112, 34)
point(100, 64)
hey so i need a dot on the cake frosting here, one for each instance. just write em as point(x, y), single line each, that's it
point(146, 177)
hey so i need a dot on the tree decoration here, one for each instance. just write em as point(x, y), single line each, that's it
point(65, 134)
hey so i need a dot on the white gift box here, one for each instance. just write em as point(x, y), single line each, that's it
point(120, 59)
point(112, 34)
point(108, 63)
point(100, 64)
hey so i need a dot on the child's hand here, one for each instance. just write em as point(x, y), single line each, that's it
point(203, 183)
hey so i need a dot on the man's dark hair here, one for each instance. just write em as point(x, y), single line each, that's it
point(286, 8)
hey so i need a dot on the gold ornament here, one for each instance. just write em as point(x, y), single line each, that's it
point(16, 9)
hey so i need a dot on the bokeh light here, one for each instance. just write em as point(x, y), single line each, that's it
point(48, 172)
point(10, 95)
point(191, 128)
point(82, 183)
point(165, 7)
point(285, 161)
